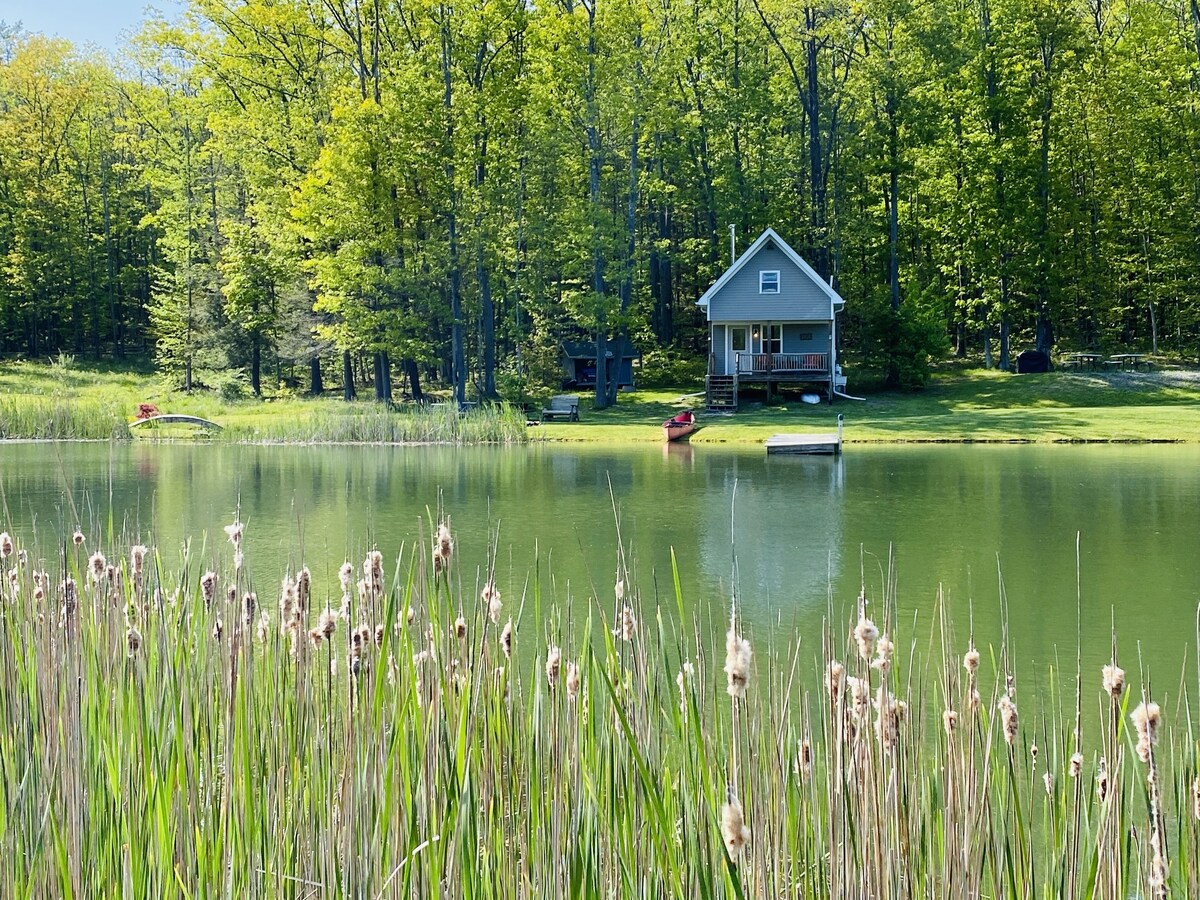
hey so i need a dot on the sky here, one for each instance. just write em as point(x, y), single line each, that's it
point(98, 22)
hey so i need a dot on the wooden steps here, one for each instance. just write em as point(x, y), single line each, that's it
point(721, 392)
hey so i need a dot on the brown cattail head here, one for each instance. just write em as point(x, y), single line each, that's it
point(443, 549)
point(949, 721)
point(1114, 680)
point(1008, 718)
point(234, 531)
point(133, 639)
point(865, 635)
point(1146, 720)
point(137, 559)
point(249, 605)
point(6, 545)
point(835, 680)
point(1102, 780)
point(77, 538)
point(733, 826)
point(262, 630)
point(885, 648)
point(218, 629)
point(804, 759)
point(490, 598)
point(553, 662)
point(626, 628)
point(971, 661)
point(1048, 781)
point(96, 567)
point(1075, 766)
point(860, 696)
point(683, 680)
point(572, 681)
point(327, 623)
point(460, 628)
point(346, 576)
point(737, 662)
point(506, 639)
point(208, 587)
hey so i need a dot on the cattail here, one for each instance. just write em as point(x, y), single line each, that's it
point(885, 648)
point(1008, 718)
point(77, 538)
point(6, 545)
point(860, 696)
point(443, 549)
point(835, 679)
point(971, 661)
point(627, 628)
point(460, 628)
point(683, 679)
point(263, 629)
point(737, 662)
point(1102, 780)
point(553, 661)
point(975, 699)
point(1114, 680)
point(316, 635)
point(208, 587)
point(133, 639)
point(506, 640)
point(733, 826)
point(346, 576)
point(234, 532)
point(327, 623)
point(804, 759)
point(619, 590)
point(865, 635)
point(1196, 798)
point(890, 713)
point(1048, 781)
point(1075, 767)
point(490, 598)
point(949, 721)
point(217, 630)
point(1145, 720)
point(1033, 753)
point(372, 584)
point(1158, 864)
point(70, 594)
point(573, 681)
point(137, 558)
point(96, 566)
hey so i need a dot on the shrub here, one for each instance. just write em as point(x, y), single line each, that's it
point(671, 368)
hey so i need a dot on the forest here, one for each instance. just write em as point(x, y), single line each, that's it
point(319, 195)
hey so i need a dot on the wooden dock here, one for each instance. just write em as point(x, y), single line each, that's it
point(807, 443)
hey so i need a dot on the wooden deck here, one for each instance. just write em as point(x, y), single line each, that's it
point(807, 443)
point(804, 443)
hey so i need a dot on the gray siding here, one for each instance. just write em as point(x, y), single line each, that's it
point(818, 343)
point(718, 348)
point(799, 298)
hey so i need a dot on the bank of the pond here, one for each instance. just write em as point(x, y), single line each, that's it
point(71, 402)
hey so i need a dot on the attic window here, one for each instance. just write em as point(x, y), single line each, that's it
point(768, 281)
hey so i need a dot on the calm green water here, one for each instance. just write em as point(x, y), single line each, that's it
point(803, 529)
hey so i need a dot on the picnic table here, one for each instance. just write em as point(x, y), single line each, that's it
point(1131, 361)
point(1084, 360)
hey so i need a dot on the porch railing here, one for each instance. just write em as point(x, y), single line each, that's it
point(760, 363)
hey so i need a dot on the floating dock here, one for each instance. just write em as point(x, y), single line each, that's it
point(830, 444)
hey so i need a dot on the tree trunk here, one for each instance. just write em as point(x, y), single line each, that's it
point(594, 205)
point(256, 364)
point(458, 350)
point(316, 386)
point(348, 392)
point(413, 372)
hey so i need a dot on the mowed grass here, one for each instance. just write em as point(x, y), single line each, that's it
point(958, 406)
point(416, 728)
point(961, 404)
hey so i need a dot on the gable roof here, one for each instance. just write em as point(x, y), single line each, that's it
point(587, 349)
point(770, 236)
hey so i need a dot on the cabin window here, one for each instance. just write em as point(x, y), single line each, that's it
point(768, 281)
point(804, 336)
point(772, 339)
point(737, 339)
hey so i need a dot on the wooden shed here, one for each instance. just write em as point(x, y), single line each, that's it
point(579, 363)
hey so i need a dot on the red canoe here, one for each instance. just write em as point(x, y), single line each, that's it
point(680, 426)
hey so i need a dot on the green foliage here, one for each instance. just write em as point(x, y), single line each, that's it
point(903, 343)
point(670, 368)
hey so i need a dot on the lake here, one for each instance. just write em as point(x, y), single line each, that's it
point(803, 529)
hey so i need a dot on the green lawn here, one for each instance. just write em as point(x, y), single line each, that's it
point(39, 400)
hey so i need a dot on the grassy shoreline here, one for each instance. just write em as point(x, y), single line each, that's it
point(962, 406)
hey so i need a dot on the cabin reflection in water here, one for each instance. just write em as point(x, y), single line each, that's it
point(786, 531)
